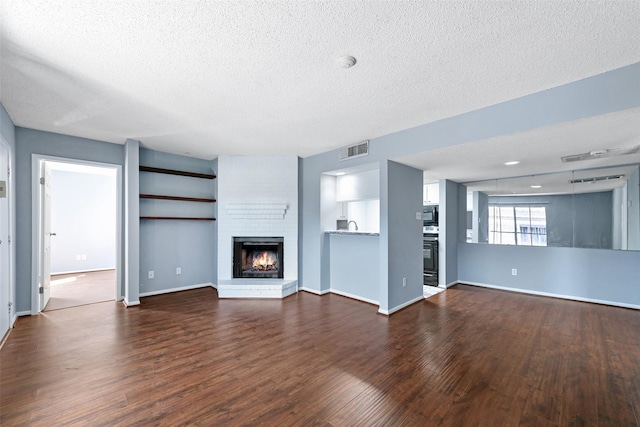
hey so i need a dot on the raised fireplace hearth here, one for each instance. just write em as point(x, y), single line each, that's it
point(258, 257)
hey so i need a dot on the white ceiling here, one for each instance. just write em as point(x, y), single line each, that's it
point(207, 78)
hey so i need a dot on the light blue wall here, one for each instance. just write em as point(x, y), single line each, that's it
point(633, 212)
point(83, 216)
point(28, 142)
point(590, 274)
point(168, 244)
point(353, 262)
point(401, 233)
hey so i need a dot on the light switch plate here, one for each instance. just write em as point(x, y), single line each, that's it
point(419, 216)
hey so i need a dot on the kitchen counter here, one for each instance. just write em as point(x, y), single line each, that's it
point(352, 233)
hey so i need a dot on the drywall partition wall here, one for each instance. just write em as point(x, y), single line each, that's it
point(633, 211)
point(29, 142)
point(605, 93)
point(596, 275)
point(83, 216)
point(354, 268)
point(166, 245)
point(402, 236)
point(328, 188)
point(132, 222)
point(214, 258)
point(450, 219)
point(248, 187)
point(480, 225)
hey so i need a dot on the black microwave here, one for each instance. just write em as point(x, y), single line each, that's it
point(430, 216)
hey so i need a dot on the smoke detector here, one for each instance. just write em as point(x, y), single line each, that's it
point(347, 61)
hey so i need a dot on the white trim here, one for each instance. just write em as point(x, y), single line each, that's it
point(552, 295)
point(20, 314)
point(35, 224)
point(82, 271)
point(356, 297)
point(9, 188)
point(130, 304)
point(401, 306)
point(182, 288)
point(448, 285)
point(313, 291)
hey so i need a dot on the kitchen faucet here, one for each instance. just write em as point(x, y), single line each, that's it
point(354, 223)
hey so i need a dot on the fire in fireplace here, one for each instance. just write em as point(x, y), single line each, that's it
point(258, 257)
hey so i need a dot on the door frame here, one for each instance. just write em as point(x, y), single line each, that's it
point(36, 225)
point(11, 245)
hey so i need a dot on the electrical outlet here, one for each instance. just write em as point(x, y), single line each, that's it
point(404, 282)
point(419, 216)
point(514, 271)
point(78, 257)
point(151, 275)
point(84, 257)
point(178, 270)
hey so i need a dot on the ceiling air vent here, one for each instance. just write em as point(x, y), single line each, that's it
point(358, 150)
point(599, 154)
point(596, 179)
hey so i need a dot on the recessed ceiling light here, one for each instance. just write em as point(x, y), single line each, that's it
point(347, 61)
point(340, 173)
point(536, 186)
point(511, 163)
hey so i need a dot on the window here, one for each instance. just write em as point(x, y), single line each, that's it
point(518, 225)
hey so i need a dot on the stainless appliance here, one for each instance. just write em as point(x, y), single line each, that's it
point(430, 216)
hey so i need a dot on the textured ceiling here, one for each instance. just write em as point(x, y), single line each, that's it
point(207, 78)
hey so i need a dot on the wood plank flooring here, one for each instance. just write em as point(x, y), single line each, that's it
point(74, 289)
point(465, 357)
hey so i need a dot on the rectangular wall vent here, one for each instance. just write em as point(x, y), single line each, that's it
point(595, 179)
point(358, 150)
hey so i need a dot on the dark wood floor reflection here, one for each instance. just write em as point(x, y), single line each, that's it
point(465, 357)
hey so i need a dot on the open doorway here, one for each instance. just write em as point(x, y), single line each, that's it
point(78, 227)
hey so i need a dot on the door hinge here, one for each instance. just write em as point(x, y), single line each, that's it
point(41, 290)
point(8, 171)
point(42, 180)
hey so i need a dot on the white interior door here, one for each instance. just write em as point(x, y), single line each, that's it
point(45, 270)
point(5, 282)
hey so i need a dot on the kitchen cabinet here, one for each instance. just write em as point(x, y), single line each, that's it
point(342, 210)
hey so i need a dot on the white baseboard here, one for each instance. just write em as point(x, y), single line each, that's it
point(401, 306)
point(313, 291)
point(130, 303)
point(552, 295)
point(20, 314)
point(182, 288)
point(352, 296)
point(82, 271)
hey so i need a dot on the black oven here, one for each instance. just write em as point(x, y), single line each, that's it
point(430, 259)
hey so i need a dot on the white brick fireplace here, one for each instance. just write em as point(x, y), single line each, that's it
point(257, 197)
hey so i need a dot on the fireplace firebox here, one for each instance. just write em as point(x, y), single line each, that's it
point(258, 257)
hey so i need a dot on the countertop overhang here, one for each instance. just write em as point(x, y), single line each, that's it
point(351, 233)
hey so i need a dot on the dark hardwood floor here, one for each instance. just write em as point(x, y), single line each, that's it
point(465, 357)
